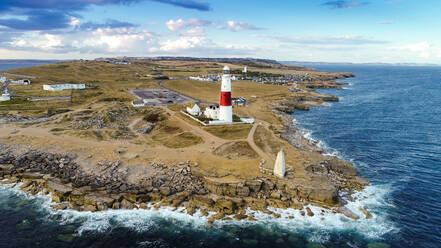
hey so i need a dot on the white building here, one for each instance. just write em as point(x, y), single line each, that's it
point(21, 82)
point(58, 87)
point(138, 104)
point(193, 109)
point(2, 79)
point(5, 96)
point(212, 112)
point(245, 70)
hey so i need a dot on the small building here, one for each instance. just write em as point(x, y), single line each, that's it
point(245, 70)
point(248, 120)
point(2, 79)
point(193, 109)
point(212, 112)
point(5, 96)
point(239, 101)
point(138, 104)
point(58, 87)
point(21, 82)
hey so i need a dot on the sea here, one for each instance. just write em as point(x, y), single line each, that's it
point(387, 123)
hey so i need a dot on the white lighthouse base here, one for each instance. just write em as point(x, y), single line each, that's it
point(226, 113)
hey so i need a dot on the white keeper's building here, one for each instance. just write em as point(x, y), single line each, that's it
point(58, 87)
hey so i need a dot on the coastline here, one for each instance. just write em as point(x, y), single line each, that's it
point(109, 186)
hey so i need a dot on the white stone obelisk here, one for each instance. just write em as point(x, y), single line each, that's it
point(279, 166)
point(225, 108)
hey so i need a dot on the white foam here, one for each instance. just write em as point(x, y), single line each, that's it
point(317, 228)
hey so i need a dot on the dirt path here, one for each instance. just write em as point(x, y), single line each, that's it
point(269, 161)
point(133, 123)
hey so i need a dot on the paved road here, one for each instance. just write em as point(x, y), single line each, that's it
point(194, 99)
point(3, 88)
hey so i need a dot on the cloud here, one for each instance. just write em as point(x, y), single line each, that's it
point(325, 40)
point(241, 26)
point(182, 43)
point(75, 5)
point(200, 46)
point(197, 5)
point(423, 49)
point(180, 24)
point(57, 14)
point(38, 20)
point(108, 40)
point(108, 24)
point(196, 31)
point(343, 4)
point(387, 22)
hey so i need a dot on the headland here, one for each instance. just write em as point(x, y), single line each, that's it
point(92, 149)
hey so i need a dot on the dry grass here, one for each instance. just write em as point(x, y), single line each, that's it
point(209, 91)
point(233, 150)
point(264, 139)
point(182, 140)
point(230, 132)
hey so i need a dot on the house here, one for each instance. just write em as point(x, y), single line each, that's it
point(58, 87)
point(5, 96)
point(193, 109)
point(212, 112)
point(21, 82)
point(2, 79)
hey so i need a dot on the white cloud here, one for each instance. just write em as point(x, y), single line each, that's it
point(180, 24)
point(240, 26)
point(196, 31)
point(183, 43)
point(74, 22)
point(325, 40)
point(423, 49)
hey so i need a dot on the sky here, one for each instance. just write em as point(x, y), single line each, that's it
point(359, 31)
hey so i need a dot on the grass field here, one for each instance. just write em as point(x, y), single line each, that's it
point(230, 132)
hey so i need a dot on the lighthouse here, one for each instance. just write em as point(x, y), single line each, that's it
point(225, 109)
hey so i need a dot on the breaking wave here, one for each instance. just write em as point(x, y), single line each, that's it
point(317, 228)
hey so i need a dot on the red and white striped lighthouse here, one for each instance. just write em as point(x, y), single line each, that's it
point(225, 109)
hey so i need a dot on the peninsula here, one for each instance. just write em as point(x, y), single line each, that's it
point(116, 133)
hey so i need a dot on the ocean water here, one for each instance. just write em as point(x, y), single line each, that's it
point(15, 64)
point(387, 123)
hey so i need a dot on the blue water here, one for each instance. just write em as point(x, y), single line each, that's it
point(387, 123)
point(15, 64)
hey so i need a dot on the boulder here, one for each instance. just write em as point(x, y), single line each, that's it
point(243, 191)
point(202, 200)
point(96, 200)
point(90, 208)
point(225, 206)
point(342, 167)
point(165, 191)
point(309, 212)
point(348, 213)
point(127, 205)
point(58, 188)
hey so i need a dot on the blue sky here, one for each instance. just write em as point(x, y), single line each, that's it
point(313, 30)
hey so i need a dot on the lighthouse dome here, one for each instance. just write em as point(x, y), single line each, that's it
point(226, 69)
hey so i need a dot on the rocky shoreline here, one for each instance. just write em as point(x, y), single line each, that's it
point(181, 185)
point(108, 184)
